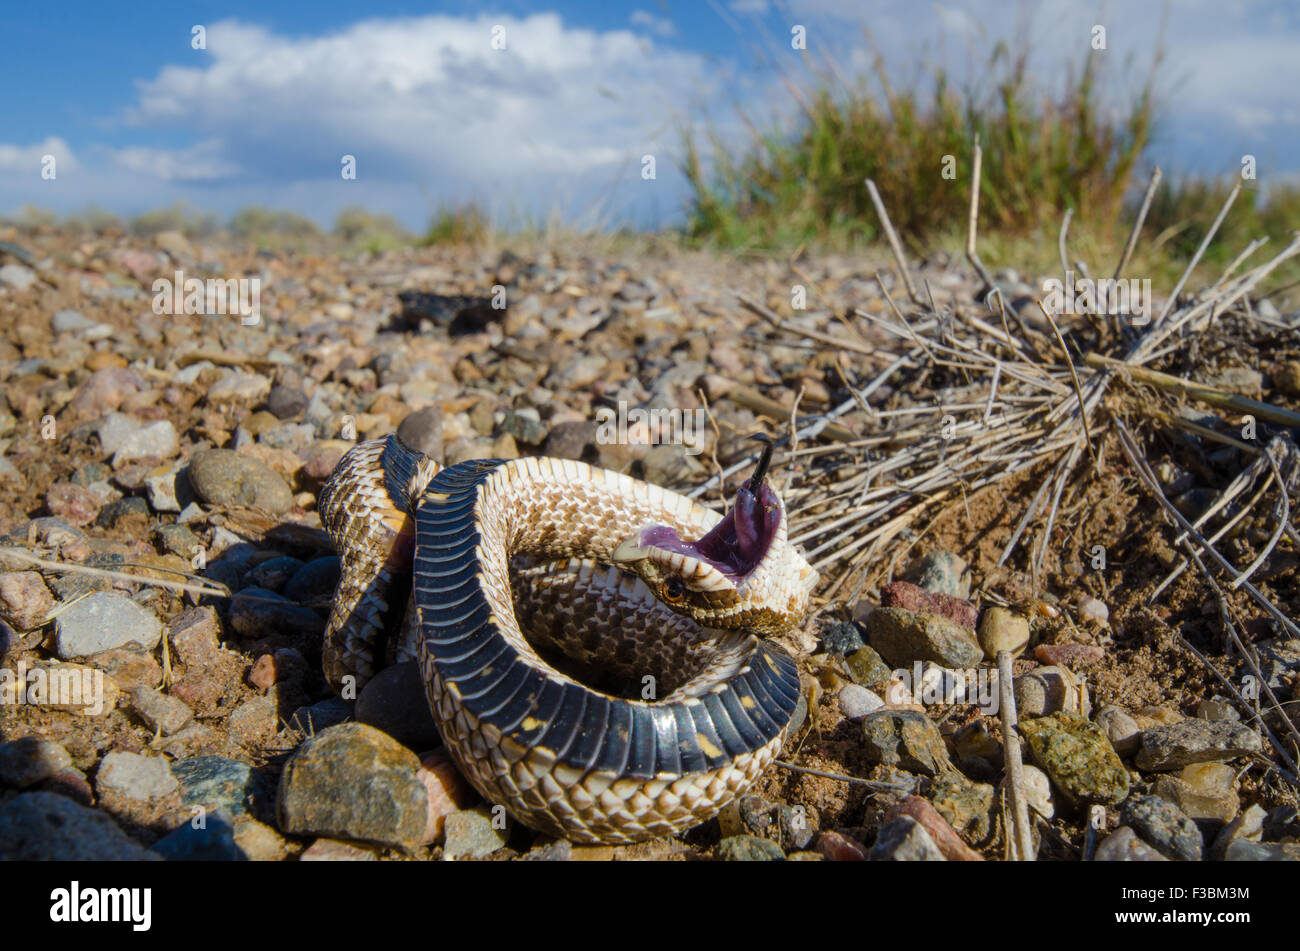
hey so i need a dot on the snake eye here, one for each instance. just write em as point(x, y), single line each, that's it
point(674, 590)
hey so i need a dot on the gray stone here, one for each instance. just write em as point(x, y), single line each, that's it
point(257, 612)
point(320, 716)
point(102, 621)
point(30, 760)
point(354, 782)
point(749, 848)
point(942, 572)
point(904, 840)
point(135, 777)
point(126, 438)
point(18, 277)
point(474, 833)
point(856, 701)
point(160, 712)
point(1123, 845)
point(1163, 825)
point(224, 477)
point(70, 322)
point(1195, 741)
point(906, 739)
point(215, 782)
point(902, 637)
point(45, 827)
point(213, 841)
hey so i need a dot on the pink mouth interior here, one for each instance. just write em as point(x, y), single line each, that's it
point(735, 545)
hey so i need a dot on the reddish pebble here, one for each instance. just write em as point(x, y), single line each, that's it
point(904, 594)
point(1068, 655)
point(840, 848)
point(262, 675)
point(75, 504)
point(448, 792)
point(943, 834)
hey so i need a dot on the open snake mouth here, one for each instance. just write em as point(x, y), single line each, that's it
point(734, 546)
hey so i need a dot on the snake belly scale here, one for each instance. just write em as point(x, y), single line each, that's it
point(555, 542)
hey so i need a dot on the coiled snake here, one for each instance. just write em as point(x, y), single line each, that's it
point(639, 696)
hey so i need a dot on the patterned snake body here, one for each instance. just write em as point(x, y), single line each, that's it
point(692, 703)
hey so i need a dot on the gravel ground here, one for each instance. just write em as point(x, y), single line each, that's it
point(191, 449)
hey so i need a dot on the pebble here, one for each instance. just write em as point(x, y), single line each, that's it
point(74, 504)
point(1077, 757)
point(1204, 791)
point(1195, 741)
point(102, 621)
point(214, 782)
point(1068, 655)
point(1164, 826)
point(211, 841)
point(394, 701)
point(857, 701)
point(69, 322)
point(1002, 629)
point(942, 572)
point(906, 739)
point(842, 637)
point(904, 840)
point(320, 715)
point(904, 594)
point(1216, 708)
point(966, 807)
point(1090, 609)
point(167, 491)
point(126, 438)
point(749, 848)
point(867, 667)
point(194, 636)
point(16, 276)
point(319, 793)
point(177, 540)
point(160, 712)
point(836, 847)
point(1245, 851)
point(1121, 729)
point(224, 477)
point(24, 599)
point(335, 850)
point(134, 776)
point(1038, 790)
point(448, 792)
point(235, 386)
point(47, 827)
point(259, 841)
point(902, 637)
point(1048, 690)
point(1249, 826)
point(1123, 845)
point(286, 402)
point(31, 760)
point(475, 833)
point(273, 573)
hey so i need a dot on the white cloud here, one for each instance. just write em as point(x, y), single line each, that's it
point(661, 26)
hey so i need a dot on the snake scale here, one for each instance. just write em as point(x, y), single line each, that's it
point(639, 695)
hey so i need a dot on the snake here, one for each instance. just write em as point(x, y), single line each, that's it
point(596, 651)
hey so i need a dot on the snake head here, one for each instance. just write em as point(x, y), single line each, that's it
point(743, 574)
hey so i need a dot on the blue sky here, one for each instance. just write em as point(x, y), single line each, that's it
point(558, 122)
